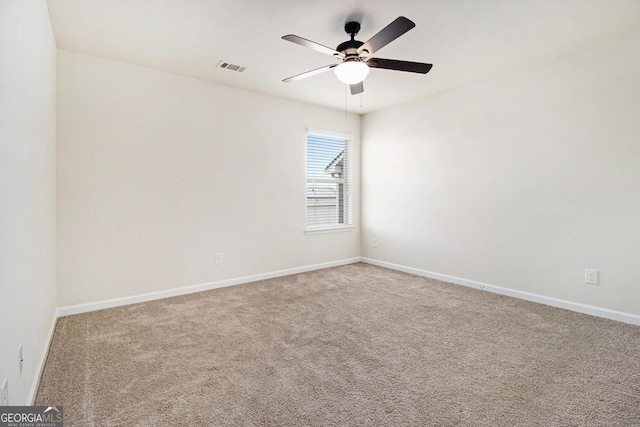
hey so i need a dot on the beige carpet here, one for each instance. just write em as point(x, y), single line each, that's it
point(350, 346)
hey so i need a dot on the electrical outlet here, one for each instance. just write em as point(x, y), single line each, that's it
point(375, 242)
point(20, 360)
point(4, 393)
point(591, 276)
point(218, 258)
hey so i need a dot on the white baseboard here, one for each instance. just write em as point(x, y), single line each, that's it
point(134, 299)
point(31, 397)
point(553, 302)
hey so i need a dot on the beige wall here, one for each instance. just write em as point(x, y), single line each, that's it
point(520, 181)
point(158, 172)
point(27, 191)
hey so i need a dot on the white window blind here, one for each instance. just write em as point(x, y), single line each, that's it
point(328, 169)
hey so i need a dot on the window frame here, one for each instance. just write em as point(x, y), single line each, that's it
point(347, 225)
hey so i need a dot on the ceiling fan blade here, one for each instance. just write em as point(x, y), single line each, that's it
point(394, 64)
point(388, 34)
point(313, 45)
point(309, 73)
point(357, 88)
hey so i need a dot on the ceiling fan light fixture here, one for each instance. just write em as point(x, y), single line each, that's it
point(352, 71)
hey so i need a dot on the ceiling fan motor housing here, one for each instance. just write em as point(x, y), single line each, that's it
point(350, 47)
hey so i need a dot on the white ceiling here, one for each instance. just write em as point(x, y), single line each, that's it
point(464, 39)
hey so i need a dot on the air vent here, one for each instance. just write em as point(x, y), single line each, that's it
point(231, 67)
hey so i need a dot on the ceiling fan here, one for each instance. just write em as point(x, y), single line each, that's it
point(357, 57)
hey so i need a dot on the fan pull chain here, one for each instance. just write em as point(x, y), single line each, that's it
point(345, 100)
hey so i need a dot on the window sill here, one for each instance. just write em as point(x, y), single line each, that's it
point(331, 229)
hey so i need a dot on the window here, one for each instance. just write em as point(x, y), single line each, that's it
point(328, 170)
